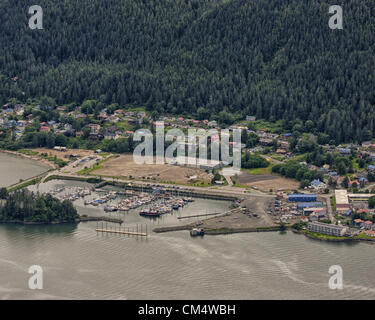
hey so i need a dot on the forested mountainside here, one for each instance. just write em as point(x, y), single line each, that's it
point(275, 59)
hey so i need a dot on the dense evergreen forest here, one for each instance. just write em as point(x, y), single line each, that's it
point(26, 206)
point(275, 59)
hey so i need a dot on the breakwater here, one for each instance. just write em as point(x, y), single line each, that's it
point(105, 219)
point(216, 231)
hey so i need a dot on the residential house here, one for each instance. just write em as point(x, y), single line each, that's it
point(250, 118)
point(281, 151)
point(318, 185)
point(95, 128)
point(265, 142)
point(344, 151)
point(45, 129)
point(285, 145)
point(359, 223)
point(368, 224)
point(370, 233)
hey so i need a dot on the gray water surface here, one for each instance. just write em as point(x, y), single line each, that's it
point(14, 168)
point(78, 263)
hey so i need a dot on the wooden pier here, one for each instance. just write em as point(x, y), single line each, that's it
point(123, 232)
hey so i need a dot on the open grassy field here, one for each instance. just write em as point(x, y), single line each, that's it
point(264, 180)
point(124, 166)
point(64, 155)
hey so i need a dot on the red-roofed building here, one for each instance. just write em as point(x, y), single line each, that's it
point(358, 222)
point(352, 182)
point(363, 211)
point(370, 233)
point(45, 129)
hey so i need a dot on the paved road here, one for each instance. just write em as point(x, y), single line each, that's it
point(329, 207)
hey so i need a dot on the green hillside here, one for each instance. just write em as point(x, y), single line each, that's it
point(276, 59)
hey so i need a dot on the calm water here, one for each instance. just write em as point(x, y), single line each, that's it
point(78, 263)
point(13, 168)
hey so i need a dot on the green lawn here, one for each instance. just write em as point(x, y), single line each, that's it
point(363, 236)
point(275, 127)
point(28, 152)
point(259, 171)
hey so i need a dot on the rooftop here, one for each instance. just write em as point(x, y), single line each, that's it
point(341, 197)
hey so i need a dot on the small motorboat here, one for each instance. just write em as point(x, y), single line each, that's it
point(197, 232)
point(149, 213)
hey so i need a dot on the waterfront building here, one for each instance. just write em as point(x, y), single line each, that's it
point(370, 233)
point(328, 229)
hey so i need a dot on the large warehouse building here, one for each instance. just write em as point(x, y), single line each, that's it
point(301, 197)
point(342, 200)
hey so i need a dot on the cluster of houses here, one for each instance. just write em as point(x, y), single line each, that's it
point(7, 113)
point(186, 123)
point(118, 115)
point(97, 131)
point(267, 139)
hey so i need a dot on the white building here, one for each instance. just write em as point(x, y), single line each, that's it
point(326, 228)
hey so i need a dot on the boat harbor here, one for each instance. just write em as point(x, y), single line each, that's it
point(152, 204)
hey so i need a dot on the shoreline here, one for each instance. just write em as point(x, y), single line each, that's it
point(337, 239)
point(34, 158)
point(76, 221)
point(217, 231)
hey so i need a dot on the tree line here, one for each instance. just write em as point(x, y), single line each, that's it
point(213, 59)
point(26, 206)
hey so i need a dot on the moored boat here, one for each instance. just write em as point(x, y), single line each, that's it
point(197, 232)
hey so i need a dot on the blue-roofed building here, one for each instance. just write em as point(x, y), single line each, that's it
point(371, 167)
point(300, 197)
point(332, 173)
point(287, 135)
point(345, 151)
